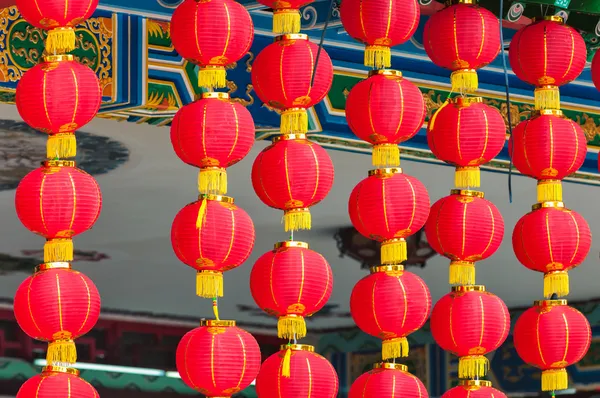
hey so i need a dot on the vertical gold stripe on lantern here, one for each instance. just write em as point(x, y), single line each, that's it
point(237, 128)
point(89, 300)
point(487, 133)
point(76, 107)
point(545, 52)
point(537, 337)
point(389, 18)
point(458, 135)
point(88, 7)
point(414, 22)
point(204, 110)
point(328, 272)
point(228, 29)
point(464, 228)
point(68, 388)
point(393, 385)
point(482, 321)
point(43, 219)
point(317, 171)
point(451, 327)
point(482, 34)
point(572, 54)
point(232, 237)
point(405, 301)
point(362, 22)
point(44, 98)
point(196, 30)
point(271, 279)
point(312, 67)
point(185, 364)
point(551, 131)
point(578, 237)
point(245, 360)
point(455, 38)
point(493, 222)
point(60, 317)
point(302, 265)
point(385, 217)
point(74, 212)
point(566, 337)
point(29, 304)
point(373, 306)
point(212, 360)
point(414, 204)
point(310, 379)
point(576, 155)
point(505, 324)
point(399, 83)
point(287, 174)
point(549, 238)
point(281, 74)
point(66, 8)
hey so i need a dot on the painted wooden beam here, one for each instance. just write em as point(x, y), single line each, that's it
point(7, 3)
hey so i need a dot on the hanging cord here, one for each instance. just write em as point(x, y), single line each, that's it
point(507, 85)
point(312, 81)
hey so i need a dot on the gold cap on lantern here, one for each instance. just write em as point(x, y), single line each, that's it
point(388, 365)
point(291, 243)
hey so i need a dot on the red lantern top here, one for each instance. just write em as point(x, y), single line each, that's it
point(56, 381)
point(385, 110)
point(380, 25)
point(388, 380)
point(286, 14)
point(474, 389)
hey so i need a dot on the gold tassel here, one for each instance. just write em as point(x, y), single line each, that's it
point(386, 155)
point(547, 97)
point(297, 219)
point(201, 220)
point(209, 284)
point(472, 366)
point(215, 306)
point(462, 273)
point(394, 348)
point(467, 177)
point(431, 124)
point(58, 250)
point(61, 352)
point(212, 77)
point(393, 251)
point(378, 57)
point(464, 81)
point(294, 121)
point(212, 180)
point(60, 41)
point(287, 363)
point(555, 380)
point(549, 191)
point(61, 146)
point(291, 327)
point(556, 282)
point(286, 21)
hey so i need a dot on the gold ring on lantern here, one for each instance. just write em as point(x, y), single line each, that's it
point(546, 205)
point(450, 2)
point(216, 198)
point(466, 192)
point(214, 95)
point(385, 172)
point(49, 266)
point(58, 163)
point(387, 268)
point(292, 36)
point(475, 383)
point(385, 72)
point(291, 243)
point(553, 18)
point(547, 112)
point(466, 101)
point(59, 58)
point(215, 323)
point(549, 303)
point(60, 369)
point(297, 347)
point(286, 137)
point(468, 288)
point(388, 365)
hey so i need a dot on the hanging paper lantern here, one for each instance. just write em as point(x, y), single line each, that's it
point(291, 282)
point(388, 380)
point(474, 389)
point(58, 17)
point(286, 14)
point(548, 147)
point(470, 322)
point(212, 133)
point(390, 304)
point(465, 228)
point(547, 54)
point(212, 34)
point(552, 336)
point(212, 235)
point(218, 359)
point(57, 381)
point(388, 207)
point(380, 25)
point(385, 110)
point(466, 133)
point(57, 305)
point(58, 201)
point(59, 96)
point(293, 174)
point(282, 76)
point(297, 371)
point(463, 37)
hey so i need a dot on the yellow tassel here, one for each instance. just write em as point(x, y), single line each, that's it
point(212, 77)
point(465, 81)
point(297, 219)
point(287, 363)
point(61, 352)
point(286, 21)
point(201, 220)
point(216, 309)
point(291, 327)
point(394, 348)
point(386, 155)
point(294, 121)
point(60, 41)
point(61, 146)
point(58, 250)
point(547, 97)
point(549, 191)
point(556, 282)
point(467, 177)
point(378, 57)
point(555, 380)
point(472, 366)
point(212, 180)
point(393, 251)
point(462, 273)
point(209, 284)
point(432, 120)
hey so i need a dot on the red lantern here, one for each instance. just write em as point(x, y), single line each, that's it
point(293, 174)
point(385, 110)
point(218, 359)
point(58, 201)
point(282, 76)
point(552, 239)
point(389, 206)
point(291, 282)
point(470, 322)
point(462, 38)
point(552, 336)
point(466, 133)
point(474, 389)
point(465, 228)
point(57, 305)
point(212, 133)
point(56, 381)
point(390, 304)
point(58, 17)
point(548, 147)
point(380, 25)
point(547, 54)
point(212, 235)
point(286, 14)
point(212, 34)
point(388, 380)
point(59, 96)
point(297, 371)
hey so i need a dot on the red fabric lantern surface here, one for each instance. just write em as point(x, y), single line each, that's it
point(212, 133)
point(58, 17)
point(286, 14)
point(59, 96)
point(218, 359)
point(548, 147)
point(385, 110)
point(465, 228)
point(389, 206)
point(552, 239)
point(388, 380)
point(212, 235)
point(474, 389)
point(552, 336)
point(466, 133)
point(297, 371)
point(547, 54)
point(58, 201)
point(462, 38)
point(57, 382)
point(470, 322)
point(390, 304)
point(380, 25)
point(596, 70)
point(293, 174)
point(291, 282)
point(282, 76)
point(57, 305)
point(212, 34)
